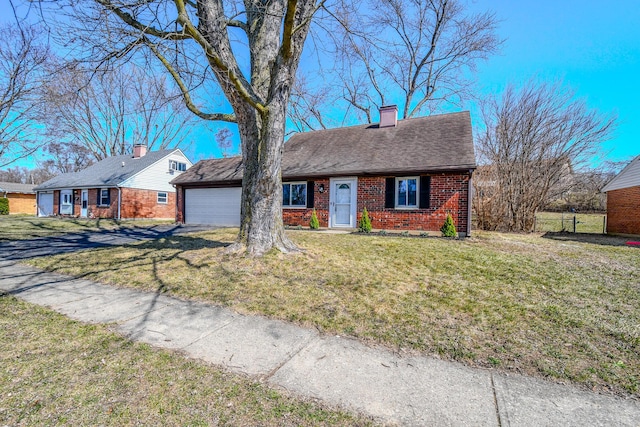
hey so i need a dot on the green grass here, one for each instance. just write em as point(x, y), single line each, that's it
point(556, 221)
point(566, 307)
point(14, 227)
point(57, 371)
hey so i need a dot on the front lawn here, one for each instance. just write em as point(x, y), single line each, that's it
point(55, 371)
point(565, 307)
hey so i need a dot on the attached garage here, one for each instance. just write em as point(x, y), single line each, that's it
point(213, 206)
point(45, 203)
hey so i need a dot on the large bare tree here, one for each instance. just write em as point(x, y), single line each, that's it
point(22, 59)
point(109, 111)
point(418, 54)
point(249, 50)
point(535, 138)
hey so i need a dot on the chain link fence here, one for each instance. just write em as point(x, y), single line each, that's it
point(568, 222)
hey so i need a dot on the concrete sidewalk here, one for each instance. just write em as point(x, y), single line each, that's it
point(413, 391)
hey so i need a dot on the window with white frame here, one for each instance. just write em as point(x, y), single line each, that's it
point(103, 197)
point(162, 197)
point(175, 165)
point(407, 192)
point(294, 194)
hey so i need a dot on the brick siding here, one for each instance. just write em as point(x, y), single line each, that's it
point(623, 211)
point(22, 203)
point(136, 204)
point(144, 204)
point(449, 195)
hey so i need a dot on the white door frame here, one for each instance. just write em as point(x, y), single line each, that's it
point(84, 203)
point(333, 183)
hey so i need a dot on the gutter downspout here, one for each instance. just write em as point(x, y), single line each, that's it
point(470, 203)
point(119, 201)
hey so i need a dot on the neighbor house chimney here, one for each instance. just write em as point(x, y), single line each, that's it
point(139, 150)
point(388, 116)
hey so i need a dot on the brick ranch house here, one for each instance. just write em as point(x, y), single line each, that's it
point(120, 187)
point(22, 197)
point(623, 200)
point(409, 174)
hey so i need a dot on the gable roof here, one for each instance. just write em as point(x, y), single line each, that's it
point(15, 187)
point(109, 172)
point(420, 145)
point(628, 177)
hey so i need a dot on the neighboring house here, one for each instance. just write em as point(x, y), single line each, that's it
point(121, 187)
point(22, 197)
point(409, 174)
point(623, 200)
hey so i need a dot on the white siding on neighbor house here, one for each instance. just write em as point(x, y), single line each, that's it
point(157, 176)
point(628, 177)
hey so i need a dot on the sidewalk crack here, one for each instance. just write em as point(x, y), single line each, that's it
point(495, 400)
point(290, 356)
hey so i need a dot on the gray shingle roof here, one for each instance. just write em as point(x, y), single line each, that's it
point(108, 172)
point(420, 145)
point(14, 187)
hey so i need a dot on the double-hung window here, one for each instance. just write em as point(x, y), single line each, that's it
point(162, 197)
point(407, 192)
point(294, 194)
point(103, 197)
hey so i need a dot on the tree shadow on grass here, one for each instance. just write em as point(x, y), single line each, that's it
point(77, 241)
point(596, 239)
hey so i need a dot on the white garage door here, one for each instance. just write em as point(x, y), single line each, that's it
point(45, 204)
point(215, 206)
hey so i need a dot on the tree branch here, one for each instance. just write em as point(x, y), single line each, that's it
point(185, 91)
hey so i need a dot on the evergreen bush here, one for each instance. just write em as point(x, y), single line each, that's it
point(448, 229)
point(364, 225)
point(4, 206)
point(314, 224)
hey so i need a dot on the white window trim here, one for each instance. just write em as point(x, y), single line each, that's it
point(101, 204)
point(397, 192)
point(306, 195)
point(174, 165)
point(166, 197)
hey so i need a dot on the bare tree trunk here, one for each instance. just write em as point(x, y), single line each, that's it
point(261, 226)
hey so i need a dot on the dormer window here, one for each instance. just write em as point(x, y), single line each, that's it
point(175, 165)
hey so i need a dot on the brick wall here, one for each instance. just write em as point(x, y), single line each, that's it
point(623, 211)
point(302, 216)
point(449, 194)
point(22, 203)
point(96, 211)
point(144, 204)
point(135, 204)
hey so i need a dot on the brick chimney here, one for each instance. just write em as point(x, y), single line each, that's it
point(388, 116)
point(139, 150)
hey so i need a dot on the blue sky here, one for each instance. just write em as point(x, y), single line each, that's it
point(592, 46)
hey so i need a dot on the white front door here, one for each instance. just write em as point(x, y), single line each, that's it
point(342, 202)
point(84, 203)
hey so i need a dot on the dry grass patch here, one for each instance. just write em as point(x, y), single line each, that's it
point(58, 371)
point(557, 307)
